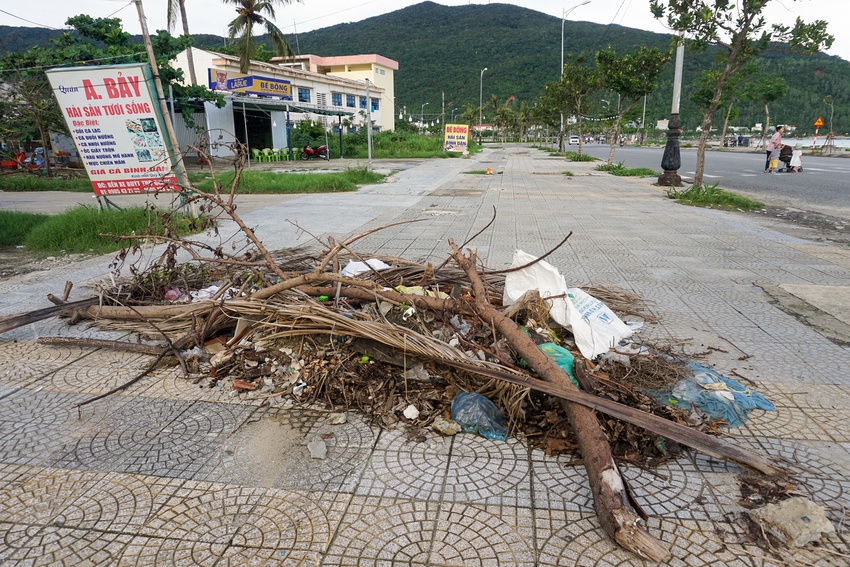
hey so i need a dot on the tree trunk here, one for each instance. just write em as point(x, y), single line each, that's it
point(189, 56)
point(703, 141)
point(766, 122)
point(614, 134)
point(616, 515)
point(726, 120)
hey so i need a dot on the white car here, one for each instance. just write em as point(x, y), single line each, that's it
point(573, 140)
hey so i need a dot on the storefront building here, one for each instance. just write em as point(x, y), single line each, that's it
point(265, 103)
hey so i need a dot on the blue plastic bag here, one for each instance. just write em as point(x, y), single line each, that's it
point(715, 395)
point(476, 414)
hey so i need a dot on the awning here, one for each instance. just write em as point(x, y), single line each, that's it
point(270, 104)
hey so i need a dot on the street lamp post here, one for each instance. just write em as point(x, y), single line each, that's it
point(422, 114)
point(564, 15)
point(671, 161)
point(369, 124)
point(453, 114)
point(481, 105)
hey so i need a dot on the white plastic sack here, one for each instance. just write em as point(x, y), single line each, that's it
point(542, 276)
point(595, 327)
point(354, 268)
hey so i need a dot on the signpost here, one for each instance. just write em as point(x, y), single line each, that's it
point(219, 80)
point(117, 127)
point(456, 138)
point(818, 123)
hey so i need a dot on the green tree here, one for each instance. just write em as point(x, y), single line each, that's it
point(741, 30)
point(570, 94)
point(253, 13)
point(631, 76)
point(765, 90)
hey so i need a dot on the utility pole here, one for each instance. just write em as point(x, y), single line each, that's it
point(443, 118)
point(368, 125)
point(160, 94)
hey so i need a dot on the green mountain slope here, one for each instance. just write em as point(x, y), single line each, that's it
point(443, 49)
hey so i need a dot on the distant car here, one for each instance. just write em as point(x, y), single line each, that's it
point(573, 140)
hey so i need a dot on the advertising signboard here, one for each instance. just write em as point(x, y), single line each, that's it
point(117, 127)
point(250, 84)
point(456, 138)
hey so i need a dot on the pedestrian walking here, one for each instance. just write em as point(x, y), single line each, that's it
point(774, 143)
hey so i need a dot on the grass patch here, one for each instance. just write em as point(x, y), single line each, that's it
point(713, 198)
point(78, 230)
point(575, 156)
point(568, 173)
point(475, 172)
point(621, 171)
point(15, 225)
point(32, 182)
point(255, 182)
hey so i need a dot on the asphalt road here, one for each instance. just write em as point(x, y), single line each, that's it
point(823, 186)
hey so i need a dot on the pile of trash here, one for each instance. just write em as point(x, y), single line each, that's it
point(390, 337)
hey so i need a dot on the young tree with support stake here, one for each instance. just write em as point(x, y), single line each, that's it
point(631, 76)
point(741, 29)
point(570, 93)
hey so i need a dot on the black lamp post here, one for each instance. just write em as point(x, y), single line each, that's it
point(671, 161)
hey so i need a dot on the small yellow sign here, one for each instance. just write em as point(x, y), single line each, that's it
point(819, 122)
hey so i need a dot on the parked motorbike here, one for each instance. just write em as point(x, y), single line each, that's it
point(311, 152)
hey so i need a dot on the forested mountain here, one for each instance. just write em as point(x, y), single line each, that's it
point(441, 48)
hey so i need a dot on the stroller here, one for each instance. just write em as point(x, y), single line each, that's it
point(791, 158)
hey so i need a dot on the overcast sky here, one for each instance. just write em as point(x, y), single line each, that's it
point(212, 16)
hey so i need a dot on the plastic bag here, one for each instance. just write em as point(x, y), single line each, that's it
point(354, 268)
point(715, 395)
point(595, 327)
point(562, 357)
point(476, 414)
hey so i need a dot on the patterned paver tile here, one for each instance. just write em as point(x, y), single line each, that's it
point(36, 427)
point(61, 546)
point(152, 436)
point(488, 472)
point(98, 372)
point(155, 551)
point(559, 484)
point(25, 362)
point(400, 467)
point(568, 538)
point(387, 531)
point(271, 450)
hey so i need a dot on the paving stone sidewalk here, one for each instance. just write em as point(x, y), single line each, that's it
point(172, 473)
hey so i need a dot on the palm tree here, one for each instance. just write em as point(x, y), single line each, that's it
point(255, 13)
point(175, 7)
point(524, 118)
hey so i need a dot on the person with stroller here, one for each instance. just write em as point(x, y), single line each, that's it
point(774, 143)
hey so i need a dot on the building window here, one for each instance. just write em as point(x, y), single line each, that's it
point(303, 94)
point(336, 99)
point(350, 101)
point(376, 104)
point(322, 99)
point(363, 102)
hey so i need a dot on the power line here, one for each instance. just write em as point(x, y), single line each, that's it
point(60, 29)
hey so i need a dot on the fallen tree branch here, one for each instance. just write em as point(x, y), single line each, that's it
point(10, 322)
point(100, 343)
point(617, 517)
